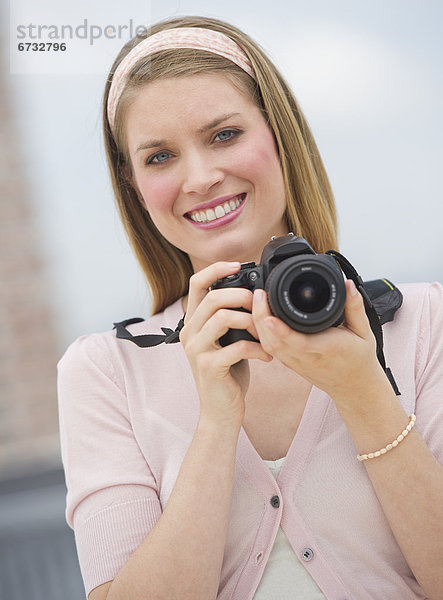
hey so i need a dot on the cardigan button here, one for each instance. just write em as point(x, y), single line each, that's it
point(275, 501)
point(307, 554)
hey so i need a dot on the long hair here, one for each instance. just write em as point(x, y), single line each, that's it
point(310, 208)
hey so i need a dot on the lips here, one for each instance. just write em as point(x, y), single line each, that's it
point(217, 209)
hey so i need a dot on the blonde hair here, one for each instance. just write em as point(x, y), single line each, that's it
point(310, 207)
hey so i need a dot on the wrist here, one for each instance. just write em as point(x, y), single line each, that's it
point(219, 429)
point(366, 399)
point(373, 418)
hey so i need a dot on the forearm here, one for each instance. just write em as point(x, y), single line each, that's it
point(407, 480)
point(183, 554)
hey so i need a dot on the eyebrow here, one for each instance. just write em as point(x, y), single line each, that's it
point(217, 122)
point(156, 143)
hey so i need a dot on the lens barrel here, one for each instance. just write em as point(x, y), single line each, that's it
point(307, 292)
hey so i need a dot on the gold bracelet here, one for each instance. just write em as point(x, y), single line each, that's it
point(393, 444)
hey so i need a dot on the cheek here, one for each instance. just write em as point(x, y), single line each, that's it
point(260, 160)
point(158, 192)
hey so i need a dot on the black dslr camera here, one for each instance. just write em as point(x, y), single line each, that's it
point(305, 290)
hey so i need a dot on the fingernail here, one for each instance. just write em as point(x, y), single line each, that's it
point(352, 288)
point(234, 265)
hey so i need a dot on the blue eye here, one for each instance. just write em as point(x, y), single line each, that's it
point(226, 134)
point(158, 158)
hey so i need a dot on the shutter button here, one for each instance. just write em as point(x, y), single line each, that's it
point(275, 501)
point(307, 554)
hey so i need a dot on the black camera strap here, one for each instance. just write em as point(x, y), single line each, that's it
point(149, 340)
point(374, 289)
point(381, 299)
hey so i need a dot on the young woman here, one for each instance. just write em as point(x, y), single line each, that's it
point(201, 471)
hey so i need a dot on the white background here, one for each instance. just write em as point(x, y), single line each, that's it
point(369, 78)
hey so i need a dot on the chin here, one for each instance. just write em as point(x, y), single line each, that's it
point(241, 249)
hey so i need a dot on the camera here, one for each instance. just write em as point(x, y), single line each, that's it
point(306, 290)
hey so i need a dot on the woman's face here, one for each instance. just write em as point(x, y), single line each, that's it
point(206, 168)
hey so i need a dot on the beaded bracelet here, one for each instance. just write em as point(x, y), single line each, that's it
point(393, 444)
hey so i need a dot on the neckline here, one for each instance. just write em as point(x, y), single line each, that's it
point(293, 465)
point(275, 464)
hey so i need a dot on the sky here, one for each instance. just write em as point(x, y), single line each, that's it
point(369, 79)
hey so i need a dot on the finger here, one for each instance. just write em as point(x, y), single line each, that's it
point(223, 320)
point(274, 334)
point(355, 315)
point(243, 349)
point(215, 300)
point(267, 325)
point(201, 281)
point(217, 363)
point(260, 309)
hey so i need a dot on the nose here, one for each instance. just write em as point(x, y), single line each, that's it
point(200, 174)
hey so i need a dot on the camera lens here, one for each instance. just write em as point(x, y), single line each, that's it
point(309, 292)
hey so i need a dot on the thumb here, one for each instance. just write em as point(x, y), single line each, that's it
point(355, 315)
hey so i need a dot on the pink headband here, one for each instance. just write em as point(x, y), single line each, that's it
point(181, 37)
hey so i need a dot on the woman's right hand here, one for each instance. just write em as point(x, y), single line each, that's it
point(221, 373)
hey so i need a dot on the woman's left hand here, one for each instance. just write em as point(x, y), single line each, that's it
point(342, 360)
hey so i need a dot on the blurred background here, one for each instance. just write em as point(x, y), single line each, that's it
point(369, 79)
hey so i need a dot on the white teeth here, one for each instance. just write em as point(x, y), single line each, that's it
point(211, 214)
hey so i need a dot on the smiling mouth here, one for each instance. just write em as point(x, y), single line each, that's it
point(219, 211)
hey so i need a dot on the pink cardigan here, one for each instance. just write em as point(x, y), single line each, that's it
point(127, 417)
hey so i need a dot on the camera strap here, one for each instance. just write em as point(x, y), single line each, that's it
point(381, 299)
point(149, 340)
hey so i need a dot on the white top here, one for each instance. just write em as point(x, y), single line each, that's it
point(285, 577)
